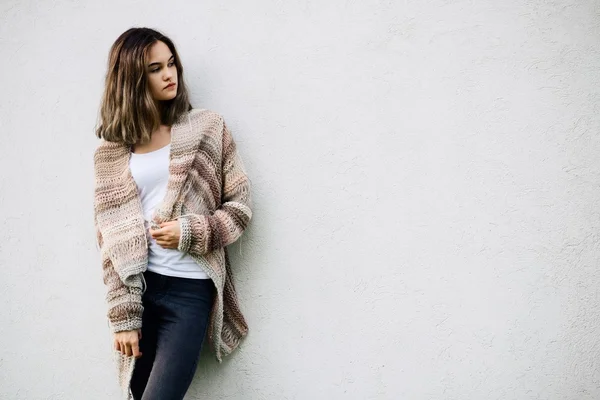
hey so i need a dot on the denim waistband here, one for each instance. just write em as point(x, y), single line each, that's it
point(156, 281)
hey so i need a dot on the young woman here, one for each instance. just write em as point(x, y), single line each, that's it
point(170, 193)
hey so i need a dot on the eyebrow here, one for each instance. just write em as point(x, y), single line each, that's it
point(157, 63)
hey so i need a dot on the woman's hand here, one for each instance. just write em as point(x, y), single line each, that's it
point(128, 342)
point(168, 235)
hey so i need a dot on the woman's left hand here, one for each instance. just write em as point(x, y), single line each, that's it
point(168, 235)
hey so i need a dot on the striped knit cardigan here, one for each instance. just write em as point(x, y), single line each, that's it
point(207, 191)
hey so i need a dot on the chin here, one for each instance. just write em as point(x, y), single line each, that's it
point(168, 97)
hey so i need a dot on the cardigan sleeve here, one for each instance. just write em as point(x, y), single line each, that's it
point(201, 234)
point(124, 302)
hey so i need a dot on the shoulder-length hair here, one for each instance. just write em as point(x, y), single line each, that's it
point(128, 112)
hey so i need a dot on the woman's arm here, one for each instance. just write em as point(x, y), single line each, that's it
point(201, 234)
point(124, 302)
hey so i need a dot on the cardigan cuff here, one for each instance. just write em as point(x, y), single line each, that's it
point(185, 239)
point(125, 312)
point(131, 324)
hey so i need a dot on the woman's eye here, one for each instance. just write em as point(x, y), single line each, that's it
point(158, 69)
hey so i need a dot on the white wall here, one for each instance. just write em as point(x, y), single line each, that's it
point(426, 195)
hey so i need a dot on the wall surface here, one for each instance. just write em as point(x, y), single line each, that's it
point(425, 176)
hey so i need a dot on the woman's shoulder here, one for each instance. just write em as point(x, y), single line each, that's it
point(207, 122)
point(205, 114)
point(106, 151)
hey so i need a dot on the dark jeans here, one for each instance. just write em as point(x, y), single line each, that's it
point(174, 324)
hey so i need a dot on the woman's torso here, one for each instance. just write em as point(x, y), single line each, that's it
point(151, 173)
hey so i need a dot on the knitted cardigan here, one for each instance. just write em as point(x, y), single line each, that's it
point(207, 191)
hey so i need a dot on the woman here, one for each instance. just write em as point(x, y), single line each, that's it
point(170, 193)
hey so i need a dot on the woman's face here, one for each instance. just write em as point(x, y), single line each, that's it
point(161, 72)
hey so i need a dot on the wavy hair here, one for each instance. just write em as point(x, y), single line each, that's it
point(128, 112)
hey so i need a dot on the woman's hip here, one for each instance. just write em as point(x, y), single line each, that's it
point(178, 291)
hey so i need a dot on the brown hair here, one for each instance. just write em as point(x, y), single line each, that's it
point(128, 112)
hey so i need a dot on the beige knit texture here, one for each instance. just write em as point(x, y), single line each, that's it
point(208, 191)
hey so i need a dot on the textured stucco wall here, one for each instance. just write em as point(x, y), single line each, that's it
point(426, 195)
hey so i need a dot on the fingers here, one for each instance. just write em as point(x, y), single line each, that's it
point(164, 240)
point(156, 233)
point(131, 348)
point(165, 229)
point(167, 241)
point(168, 235)
point(135, 348)
point(162, 234)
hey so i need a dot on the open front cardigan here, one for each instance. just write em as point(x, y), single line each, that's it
point(208, 191)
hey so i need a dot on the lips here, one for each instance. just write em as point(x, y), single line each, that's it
point(170, 85)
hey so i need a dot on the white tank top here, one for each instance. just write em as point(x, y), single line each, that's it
point(151, 174)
